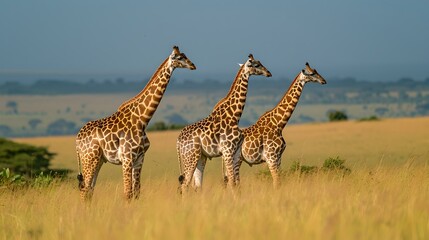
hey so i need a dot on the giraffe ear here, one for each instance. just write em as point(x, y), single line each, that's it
point(308, 68)
point(240, 64)
point(176, 50)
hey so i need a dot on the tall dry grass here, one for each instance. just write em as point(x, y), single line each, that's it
point(385, 196)
point(381, 204)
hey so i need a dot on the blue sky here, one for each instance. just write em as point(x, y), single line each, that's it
point(368, 40)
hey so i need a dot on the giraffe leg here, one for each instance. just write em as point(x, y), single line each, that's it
point(136, 172)
point(237, 164)
point(225, 178)
point(136, 175)
point(190, 154)
point(190, 160)
point(198, 173)
point(127, 172)
point(237, 161)
point(274, 166)
point(91, 168)
point(228, 161)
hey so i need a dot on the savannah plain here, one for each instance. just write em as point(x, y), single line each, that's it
point(384, 197)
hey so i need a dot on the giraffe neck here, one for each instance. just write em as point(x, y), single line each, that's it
point(282, 112)
point(142, 107)
point(233, 103)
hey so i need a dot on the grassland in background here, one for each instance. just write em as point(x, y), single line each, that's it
point(79, 108)
point(385, 196)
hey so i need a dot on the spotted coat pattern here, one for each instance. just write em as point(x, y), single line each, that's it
point(218, 134)
point(120, 138)
point(263, 141)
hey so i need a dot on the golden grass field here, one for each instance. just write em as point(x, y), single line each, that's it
point(385, 197)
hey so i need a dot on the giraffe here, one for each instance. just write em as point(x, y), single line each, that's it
point(218, 134)
point(263, 141)
point(120, 138)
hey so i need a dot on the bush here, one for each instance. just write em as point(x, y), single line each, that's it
point(7, 178)
point(302, 169)
point(336, 115)
point(266, 174)
point(335, 164)
point(14, 181)
point(24, 159)
point(370, 118)
point(43, 180)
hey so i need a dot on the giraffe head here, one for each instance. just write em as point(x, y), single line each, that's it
point(311, 75)
point(255, 67)
point(179, 60)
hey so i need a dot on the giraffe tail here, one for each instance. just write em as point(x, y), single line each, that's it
point(81, 183)
point(181, 176)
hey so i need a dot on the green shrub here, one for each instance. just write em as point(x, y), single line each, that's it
point(335, 164)
point(330, 165)
point(335, 115)
point(370, 118)
point(43, 180)
point(13, 181)
point(24, 159)
point(7, 178)
point(302, 169)
point(26, 165)
point(266, 174)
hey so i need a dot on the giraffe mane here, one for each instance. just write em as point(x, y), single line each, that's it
point(126, 103)
point(231, 90)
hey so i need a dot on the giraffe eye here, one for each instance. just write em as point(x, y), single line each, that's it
point(257, 65)
point(176, 57)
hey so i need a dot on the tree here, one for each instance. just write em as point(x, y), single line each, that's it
point(176, 118)
point(33, 123)
point(381, 110)
point(61, 127)
point(5, 131)
point(335, 115)
point(24, 159)
point(422, 107)
point(13, 106)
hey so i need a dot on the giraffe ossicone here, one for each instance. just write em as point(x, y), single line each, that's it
point(218, 134)
point(121, 138)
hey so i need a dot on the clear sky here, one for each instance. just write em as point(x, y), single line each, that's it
point(366, 39)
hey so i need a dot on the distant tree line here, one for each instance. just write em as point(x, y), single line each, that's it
point(57, 127)
point(119, 85)
point(342, 91)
